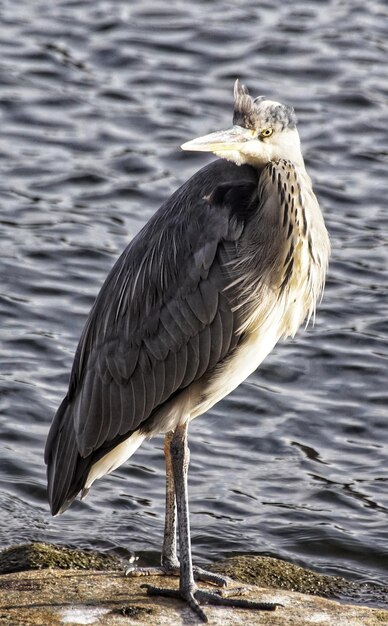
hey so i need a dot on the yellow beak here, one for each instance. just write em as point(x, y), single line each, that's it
point(221, 140)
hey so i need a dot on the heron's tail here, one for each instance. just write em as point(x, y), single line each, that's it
point(66, 469)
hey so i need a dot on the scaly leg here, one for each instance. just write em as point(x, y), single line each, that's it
point(188, 590)
point(169, 563)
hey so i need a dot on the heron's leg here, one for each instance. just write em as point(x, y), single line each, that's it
point(170, 563)
point(177, 465)
point(180, 455)
point(169, 554)
point(188, 591)
point(180, 459)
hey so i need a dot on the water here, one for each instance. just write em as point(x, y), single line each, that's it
point(95, 99)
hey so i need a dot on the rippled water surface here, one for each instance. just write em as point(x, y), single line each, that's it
point(95, 99)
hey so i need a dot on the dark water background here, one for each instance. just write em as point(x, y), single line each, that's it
point(95, 99)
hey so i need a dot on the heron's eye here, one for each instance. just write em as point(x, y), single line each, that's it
point(266, 132)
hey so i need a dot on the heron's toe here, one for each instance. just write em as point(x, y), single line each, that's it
point(193, 597)
point(210, 577)
point(222, 598)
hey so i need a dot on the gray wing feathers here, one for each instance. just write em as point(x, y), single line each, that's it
point(122, 384)
point(159, 323)
point(164, 317)
point(184, 317)
point(216, 341)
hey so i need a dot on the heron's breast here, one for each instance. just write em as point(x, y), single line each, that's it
point(298, 293)
point(247, 357)
point(303, 257)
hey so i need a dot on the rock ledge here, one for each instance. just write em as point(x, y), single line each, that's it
point(101, 596)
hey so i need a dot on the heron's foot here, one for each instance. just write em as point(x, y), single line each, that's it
point(219, 598)
point(172, 568)
point(158, 570)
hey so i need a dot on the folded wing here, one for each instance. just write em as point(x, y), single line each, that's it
point(162, 320)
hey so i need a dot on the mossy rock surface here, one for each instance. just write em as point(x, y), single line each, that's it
point(25, 557)
point(265, 571)
point(250, 569)
point(54, 597)
point(269, 572)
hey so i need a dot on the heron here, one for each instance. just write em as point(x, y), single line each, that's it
point(231, 263)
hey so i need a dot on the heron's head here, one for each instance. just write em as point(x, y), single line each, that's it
point(263, 131)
